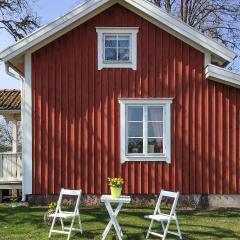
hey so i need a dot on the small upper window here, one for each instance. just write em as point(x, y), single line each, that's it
point(117, 48)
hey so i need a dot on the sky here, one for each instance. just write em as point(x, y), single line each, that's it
point(47, 10)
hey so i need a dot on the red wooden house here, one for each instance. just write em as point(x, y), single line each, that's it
point(120, 88)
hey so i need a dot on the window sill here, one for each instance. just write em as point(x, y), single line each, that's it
point(146, 159)
point(117, 65)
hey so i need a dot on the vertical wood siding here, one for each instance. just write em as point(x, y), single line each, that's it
point(76, 135)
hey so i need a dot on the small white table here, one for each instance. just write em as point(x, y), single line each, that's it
point(108, 200)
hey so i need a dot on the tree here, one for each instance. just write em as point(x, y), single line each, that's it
point(218, 19)
point(17, 17)
point(6, 139)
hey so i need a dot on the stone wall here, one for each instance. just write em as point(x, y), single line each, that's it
point(185, 201)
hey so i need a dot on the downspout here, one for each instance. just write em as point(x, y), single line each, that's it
point(20, 78)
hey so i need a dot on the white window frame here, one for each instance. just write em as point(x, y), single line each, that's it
point(163, 102)
point(132, 32)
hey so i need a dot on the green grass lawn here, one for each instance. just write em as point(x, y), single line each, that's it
point(27, 223)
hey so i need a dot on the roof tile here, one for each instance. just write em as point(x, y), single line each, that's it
point(10, 99)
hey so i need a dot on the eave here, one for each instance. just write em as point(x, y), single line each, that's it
point(90, 8)
point(222, 75)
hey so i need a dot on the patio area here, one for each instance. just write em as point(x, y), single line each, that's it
point(24, 223)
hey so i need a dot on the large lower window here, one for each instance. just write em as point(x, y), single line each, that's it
point(145, 129)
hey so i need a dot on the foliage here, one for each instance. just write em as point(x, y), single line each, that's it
point(52, 206)
point(115, 182)
point(13, 199)
point(6, 136)
point(17, 17)
point(218, 19)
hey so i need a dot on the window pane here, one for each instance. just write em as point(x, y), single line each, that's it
point(155, 114)
point(110, 54)
point(123, 54)
point(155, 145)
point(123, 41)
point(135, 113)
point(155, 129)
point(135, 145)
point(110, 41)
point(135, 129)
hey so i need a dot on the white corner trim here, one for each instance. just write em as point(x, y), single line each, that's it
point(222, 75)
point(92, 7)
point(207, 59)
point(27, 127)
point(132, 31)
point(166, 102)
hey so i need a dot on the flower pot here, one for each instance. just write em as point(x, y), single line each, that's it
point(116, 191)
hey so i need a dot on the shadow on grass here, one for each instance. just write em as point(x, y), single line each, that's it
point(195, 224)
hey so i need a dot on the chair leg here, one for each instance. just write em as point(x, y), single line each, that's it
point(163, 226)
point(80, 223)
point(70, 229)
point(62, 224)
point(166, 230)
point(178, 228)
point(53, 223)
point(149, 229)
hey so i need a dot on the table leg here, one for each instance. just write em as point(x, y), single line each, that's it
point(113, 221)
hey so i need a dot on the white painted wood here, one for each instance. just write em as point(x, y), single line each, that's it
point(163, 218)
point(14, 165)
point(207, 59)
point(145, 131)
point(122, 131)
point(145, 102)
point(107, 200)
point(71, 192)
point(167, 132)
point(121, 199)
point(27, 127)
point(59, 214)
point(132, 32)
point(19, 166)
point(222, 75)
point(14, 135)
point(10, 168)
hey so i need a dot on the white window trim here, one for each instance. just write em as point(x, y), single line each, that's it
point(166, 102)
point(132, 31)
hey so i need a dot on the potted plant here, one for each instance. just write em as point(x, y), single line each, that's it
point(115, 186)
point(51, 210)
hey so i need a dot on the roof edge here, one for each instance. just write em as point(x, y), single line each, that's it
point(183, 29)
point(222, 75)
point(52, 28)
point(144, 6)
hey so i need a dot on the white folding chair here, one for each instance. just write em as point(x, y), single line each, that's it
point(66, 214)
point(165, 219)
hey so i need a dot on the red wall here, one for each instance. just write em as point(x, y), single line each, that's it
point(76, 135)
